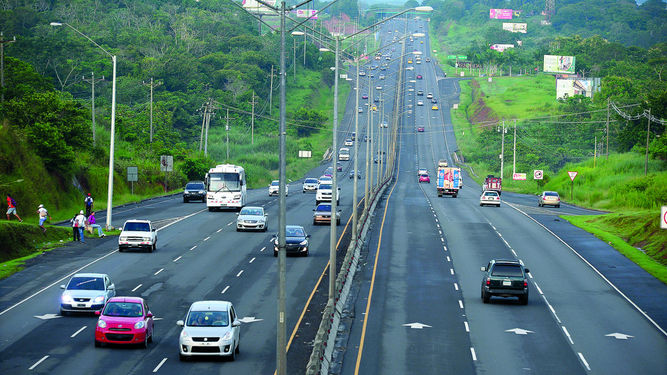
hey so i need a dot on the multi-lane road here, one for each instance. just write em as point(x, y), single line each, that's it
point(416, 304)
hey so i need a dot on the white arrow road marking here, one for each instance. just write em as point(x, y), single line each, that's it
point(249, 319)
point(619, 336)
point(79, 331)
point(38, 362)
point(519, 331)
point(416, 325)
point(48, 316)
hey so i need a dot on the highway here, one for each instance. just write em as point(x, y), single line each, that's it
point(416, 306)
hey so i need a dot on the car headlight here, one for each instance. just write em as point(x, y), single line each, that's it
point(237, 196)
point(122, 239)
point(101, 323)
point(66, 298)
point(140, 324)
point(98, 299)
point(227, 336)
point(147, 238)
point(201, 191)
point(186, 192)
point(304, 243)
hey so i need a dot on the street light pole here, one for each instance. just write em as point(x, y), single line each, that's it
point(356, 159)
point(334, 188)
point(368, 134)
point(281, 354)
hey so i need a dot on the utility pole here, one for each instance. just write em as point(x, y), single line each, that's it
point(368, 171)
point(356, 158)
point(208, 123)
point(252, 120)
point(294, 58)
point(227, 130)
point(595, 150)
point(502, 152)
point(2, 63)
point(281, 332)
point(271, 93)
point(203, 124)
point(92, 81)
point(514, 151)
point(151, 85)
point(608, 103)
point(648, 133)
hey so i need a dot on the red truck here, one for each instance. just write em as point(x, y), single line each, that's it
point(492, 183)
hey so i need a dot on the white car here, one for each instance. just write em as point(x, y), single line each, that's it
point(324, 193)
point(86, 292)
point(381, 76)
point(274, 188)
point(344, 154)
point(420, 103)
point(211, 328)
point(324, 180)
point(378, 87)
point(310, 184)
point(422, 171)
point(384, 124)
point(489, 197)
point(138, 234)
point(349, 142)
point(251, 218)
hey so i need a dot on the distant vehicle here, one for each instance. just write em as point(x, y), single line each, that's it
point(310, 184)
point(225, 187)
point(378, 87)
point(339, 167)
point(362, 73)
point(442, 163)
point(212, 329)
point(137, 234)
point(489, 197)
point(328, 171)
point(419, 76)
point(86, 292)
point(344, 154)
point(352, 174)
point(296, 241)
point(492, 183)
point(322, 214)
point(381, 76)
point(421, 171)
point(409, 61)
point(420, 93)
point(411, 89)
point(194, 190)
point(434, 107)
point(374, 108)
point(424, 178)
point(420, 129)
point(366, 138)
point(428, 59)
point(353, 136)
point(251, 218)
point(505, 278)
point(324, 180)
point(364, 96)
point(420, 103)
point(349, 142)
point(360, 110)
point(274, 188)
point(384, 124)
point(124, 320)
point(325, 192)
point(448, 181)
point(429, 96)
point(410, 68)
point(549, 198)
point(376, 100)
point(434, 100)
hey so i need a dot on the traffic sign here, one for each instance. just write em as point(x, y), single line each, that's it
point(538, 174)
point(663, 218)
point(166, 163)
point(572, 175)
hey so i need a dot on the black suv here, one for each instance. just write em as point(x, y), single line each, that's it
point(505, 278)
point(194, 190)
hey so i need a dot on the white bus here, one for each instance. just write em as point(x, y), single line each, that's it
point(225, 187)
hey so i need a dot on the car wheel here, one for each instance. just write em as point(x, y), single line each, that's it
point(338, 222)
point(232, 357)
point(558, 206)
point(238, 346)
point(237, 229)
point(275, 253)
point(523, 299)
point(486, 297)
point(306, 253)
point(150, 339)
point(314, 222)
point(120, 249)
point(97, 343)
point(144, 345)
point(266, 227)
point(210, 209)
point(63, 313)
point(182, 357)
point(185, 200)
point(481, 205)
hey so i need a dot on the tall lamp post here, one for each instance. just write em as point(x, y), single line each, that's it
point(113, 120)
point(295, 33)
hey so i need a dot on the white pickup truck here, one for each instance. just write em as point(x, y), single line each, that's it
point(138, 234)
point(324, 194)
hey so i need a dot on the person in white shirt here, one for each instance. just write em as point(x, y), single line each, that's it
point(80, 220)
point(43, 215)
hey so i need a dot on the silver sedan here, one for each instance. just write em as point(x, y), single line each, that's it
point(251, 218)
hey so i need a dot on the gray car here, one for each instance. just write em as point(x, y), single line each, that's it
point(86, 292)
point(211, 328)
point(251, 218)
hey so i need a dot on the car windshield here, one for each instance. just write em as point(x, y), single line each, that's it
point(208, 319)
point(325, 186)
point(507, 270)
point(123, 309)
point(424, 175)
point(311, 181)
point(252, 211)
point(86, 283)
point(194, 186)
point(490, 194)
point(550, 194)
point(224, 182)
point(275, 183)
point(294, 232)
point(324, 208)
point(137, 227)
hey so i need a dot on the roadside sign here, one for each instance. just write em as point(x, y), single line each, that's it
point(305, 154)
point(519, 177)
point(663, 217)
point(451, 57)
point(538, 174)
point(132, 174)
point(572, 175)
point(166, 163)
point(462, 57)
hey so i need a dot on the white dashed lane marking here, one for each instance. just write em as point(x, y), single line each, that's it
point(160, 364)
point(252, 260)
point(206, 239)
point(568, 335)
point(456, 286)
point(583, 360)
point(472, 352)
point(158, 271)
point(38, 362)
point(219, 230)
point(137, 287)
point(77, 332)
point(193, 247)
point(224, 290)
point(264, 248)
point(239, 274)
point(230, 223)
point(460, 304)
point(177, 259)
point(467, 327)
point(538, 288)
point(451, 270)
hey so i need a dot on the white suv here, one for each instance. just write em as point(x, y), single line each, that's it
point(274, 188)
point(138, 234)
point(211, 328)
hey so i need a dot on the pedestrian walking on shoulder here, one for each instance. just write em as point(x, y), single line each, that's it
point(43, 216)
point(11, 208)
point(93, 224)
point(80, 224)
point(89, 204)
point(75, 227)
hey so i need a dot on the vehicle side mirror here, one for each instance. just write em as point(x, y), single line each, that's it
point(238, 213)
point(483, 269)
point(236, 323)
point(149, 315)
point(111, 287)
point(62, 287)
point(308, 236)
point(180, 323)
point(98, 312)
point(153, 230)
point(313, 209)
point(527, 270)
point(339, 211)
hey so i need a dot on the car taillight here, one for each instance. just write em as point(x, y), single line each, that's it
point(525, 284)
point(488, 281)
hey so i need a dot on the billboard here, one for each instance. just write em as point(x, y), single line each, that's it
point(558, 64)
point(255, 7)
point(515, 27)
point(577, 86)
point(501, 47)
point(500, 14)
point(305, 13)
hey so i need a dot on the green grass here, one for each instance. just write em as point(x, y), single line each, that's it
point(628, 233)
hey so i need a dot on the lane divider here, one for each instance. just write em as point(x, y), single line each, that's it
point(38, 362)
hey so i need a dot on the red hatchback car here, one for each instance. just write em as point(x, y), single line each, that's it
point(124, 320)
point(420, 129)
point(424, 178)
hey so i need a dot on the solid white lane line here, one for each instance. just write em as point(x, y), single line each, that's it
point(581, 356)
point(77, 332)
point(530, 275)
point(158, 271)
point(467, 327)
point(160, 364)
point(568, 335)
point(538, 288)
point(38, 362)
point(179, 258)
point(224, 290)
point(506, 243)
point(239, 274)
point(472, 351)
point(252, 260)
point(193, 247)
point(460, 304)
point(264, 248)
point(451, 270)
point(456, 286)
point(494, 228)
point(206, 239)
point(514, 252)
point(219, 230)
point(449, 260)
point(137, 287)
